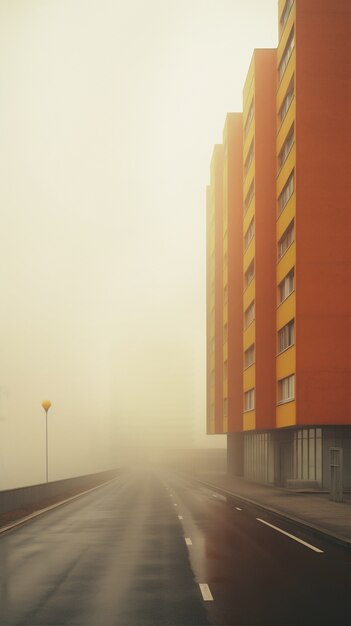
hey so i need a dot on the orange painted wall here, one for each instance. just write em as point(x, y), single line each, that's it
point(323, 226)
point(265, 225)
point(217, 182)
point(234, 127)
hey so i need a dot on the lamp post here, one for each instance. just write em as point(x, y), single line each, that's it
point(46, 404)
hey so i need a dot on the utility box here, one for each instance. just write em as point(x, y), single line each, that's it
point(335, 464)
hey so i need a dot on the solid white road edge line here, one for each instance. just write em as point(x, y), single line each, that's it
point(205, 590)
point(188, 541)
point(304, 543)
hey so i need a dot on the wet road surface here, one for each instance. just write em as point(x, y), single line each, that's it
point(150, 551)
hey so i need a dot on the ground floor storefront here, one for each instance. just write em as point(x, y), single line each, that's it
point(303, 457)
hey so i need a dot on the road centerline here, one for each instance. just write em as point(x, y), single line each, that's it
point(205, 591)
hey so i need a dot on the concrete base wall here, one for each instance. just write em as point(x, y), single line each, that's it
point(293, 456)
point(12, 499)
point(235, 454)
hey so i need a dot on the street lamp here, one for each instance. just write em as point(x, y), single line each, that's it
point(46, 404)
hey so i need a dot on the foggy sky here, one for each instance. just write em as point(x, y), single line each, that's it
point(108, 114)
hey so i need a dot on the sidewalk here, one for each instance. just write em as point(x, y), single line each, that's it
point(313, 509)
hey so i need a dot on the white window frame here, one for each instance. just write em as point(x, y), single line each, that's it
point(285, 14)
point(249, 314)
point(286, 192)
point(249, 118)
point(286, 147)
point(250, 273)
point(286, 239)
point(249, 158)
point(249, 356)
point(249, 235)
point(249, 400)
point(286, 55)
point(250, 194)
point(288, 98)
point(286, 336)
point(287, 285)
point(286, 389)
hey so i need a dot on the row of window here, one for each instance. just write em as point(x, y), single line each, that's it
point(286, 393)
point(285, 341)
point(285, 287)
point(283, 244)
point(288, 188)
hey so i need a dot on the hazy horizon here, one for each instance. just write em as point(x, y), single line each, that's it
point(109, 114)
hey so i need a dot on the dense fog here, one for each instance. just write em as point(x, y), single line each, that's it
point(108, 114)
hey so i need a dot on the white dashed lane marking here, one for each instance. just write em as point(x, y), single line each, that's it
point(180, 516)
point(238, 508)
point(206, 593)
point(188, 541)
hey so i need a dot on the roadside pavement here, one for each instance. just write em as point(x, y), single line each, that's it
point(312, 509)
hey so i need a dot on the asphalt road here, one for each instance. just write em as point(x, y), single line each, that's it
point(159, 551)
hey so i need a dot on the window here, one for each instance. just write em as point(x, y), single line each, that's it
point(249, 314)
point(225, 332)
point(286, 240)
point(249, 400)
point(249, 356)
point(250, 273)
point(225, 294)
point(287, 100)
point(286, 286)
point(249, 158)
point(249, 233)
point(249, 118)
point(286, 55)
point(286, 12)
point(286, 389)
point(286, 193)
point(286, 147)
point(249, 195)
point(286, 336)
point(225, 369)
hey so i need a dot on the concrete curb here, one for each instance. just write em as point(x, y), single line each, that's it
point(28, 518)
point(318, 531)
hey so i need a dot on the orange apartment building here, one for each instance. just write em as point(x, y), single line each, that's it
point(285, 373)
